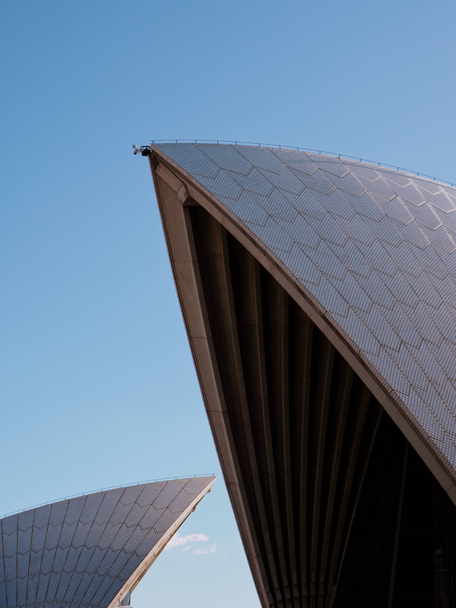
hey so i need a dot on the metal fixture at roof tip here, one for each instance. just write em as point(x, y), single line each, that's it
point(144, 150)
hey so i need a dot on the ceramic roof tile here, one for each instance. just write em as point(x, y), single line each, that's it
point(293, 158)
point(227, 157)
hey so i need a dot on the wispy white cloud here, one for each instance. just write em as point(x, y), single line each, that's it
point(184, 540)
point(210, 549)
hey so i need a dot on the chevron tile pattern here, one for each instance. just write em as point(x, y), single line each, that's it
point(374, 248)
point(80, 552)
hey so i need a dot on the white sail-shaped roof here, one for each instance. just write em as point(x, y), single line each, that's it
point(372, 248)
point(91, 550)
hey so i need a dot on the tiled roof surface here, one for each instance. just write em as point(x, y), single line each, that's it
point(374, 248)
point(80, 552)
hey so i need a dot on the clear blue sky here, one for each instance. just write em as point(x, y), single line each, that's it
point(97, 385)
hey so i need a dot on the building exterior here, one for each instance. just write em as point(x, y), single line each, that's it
point(91, 550)
point(319, 296)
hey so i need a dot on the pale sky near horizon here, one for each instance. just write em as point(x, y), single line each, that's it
point(97, 384)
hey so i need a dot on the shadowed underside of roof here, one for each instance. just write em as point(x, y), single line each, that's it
point(302, 423)
point(317, 293)
point(91, 550)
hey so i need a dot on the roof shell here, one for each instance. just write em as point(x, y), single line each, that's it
point(90, 550)
point(372, 248)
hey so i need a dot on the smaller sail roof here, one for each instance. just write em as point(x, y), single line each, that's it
point(90, 550)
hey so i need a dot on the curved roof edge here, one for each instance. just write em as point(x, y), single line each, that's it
point(118, 487)
point(374, 163)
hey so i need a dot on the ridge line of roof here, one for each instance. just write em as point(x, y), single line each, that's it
point(126, 485)
point(301, 149)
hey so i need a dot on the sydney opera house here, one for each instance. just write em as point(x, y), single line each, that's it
point(319, 297)
point(91, 551)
